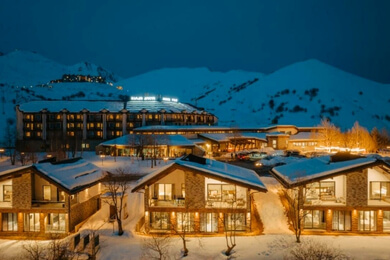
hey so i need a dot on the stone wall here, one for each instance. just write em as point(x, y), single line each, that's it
point(82, 211)
point(357, 189)
point(21, 191)
point(195, 190)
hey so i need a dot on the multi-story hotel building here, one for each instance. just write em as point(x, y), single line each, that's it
point(85, 124)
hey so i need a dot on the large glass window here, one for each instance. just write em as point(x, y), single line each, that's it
point(7, 192)
point(162, 191)
point(341, 220)
point(185, 221)
point(10, 221)
point(159, 220)
point(386, 221)
point(235, 221)
point(209, 222)
point(31, 222)
point(46, 192)
point(367, 220)
point(314, 219)
point(379, 190)
point(55, 222)
point(324, 190)
point(221, 192)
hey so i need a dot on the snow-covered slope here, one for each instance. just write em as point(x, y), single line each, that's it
point(299, 94)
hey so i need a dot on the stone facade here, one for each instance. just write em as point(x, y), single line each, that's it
point(82, 211)
point(195, 190)
point(357, 189)
point(21, 195)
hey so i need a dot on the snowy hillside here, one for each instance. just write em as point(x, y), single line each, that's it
point(299, 94)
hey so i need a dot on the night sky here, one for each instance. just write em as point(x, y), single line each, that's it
point(132, 37)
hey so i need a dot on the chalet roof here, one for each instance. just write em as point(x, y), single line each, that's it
point(295, 174)
point(72, 175)
point(131, 139)
point(210, 168)
point(111, 106)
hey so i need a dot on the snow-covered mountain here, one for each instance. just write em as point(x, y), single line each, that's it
point(299, 94)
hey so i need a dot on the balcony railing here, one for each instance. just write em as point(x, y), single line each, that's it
point(48, 204)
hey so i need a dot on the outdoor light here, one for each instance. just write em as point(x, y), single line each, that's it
point(102, 156)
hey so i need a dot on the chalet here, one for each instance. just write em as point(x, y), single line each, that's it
point(342, 193)
point(46, 198)
point(200, 195)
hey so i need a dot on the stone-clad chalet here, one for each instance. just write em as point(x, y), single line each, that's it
point(341, 194)
point(44, 198)
point(200, 195)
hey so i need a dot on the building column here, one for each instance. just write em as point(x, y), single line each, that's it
point(143, 119)
point(104, 126)
point(64, 126)
point(329, 220)
point(84, 126)
point(44, 126)
point(124, 123)
point(162, 119)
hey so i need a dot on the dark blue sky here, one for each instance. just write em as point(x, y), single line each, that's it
point(131, 37)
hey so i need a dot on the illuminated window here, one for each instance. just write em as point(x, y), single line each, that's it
point(71, 133)
point(110, 117)
point(341, 220)
point(46, 192)
point(28, 134)
point(130, 124)
point(99, 133)
point(367, 220)
point(58, 117)
point(118, 133)
point(150, 116)
point(118, 117)
point(209, 222)
point(79, 117)
point(118, 125)
point(185, 221)
point(70, 117)
point(9, 221)
point(99, 125)
point(314, 219)
point(7, 193)
point(235, 221)
point(379, 190)
point(31, 222)
point(39, 134)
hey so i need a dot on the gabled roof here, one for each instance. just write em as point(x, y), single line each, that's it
point(315, 169)
point(72, 175)
point(209, 168)
point(132, 139)
point(226, 137)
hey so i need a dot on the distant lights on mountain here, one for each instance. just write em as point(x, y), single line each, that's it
point(153, 98)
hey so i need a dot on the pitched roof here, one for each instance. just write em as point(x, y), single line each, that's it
point(72, 174)
point(319, 168)
point(130, 139)
point(210, 168)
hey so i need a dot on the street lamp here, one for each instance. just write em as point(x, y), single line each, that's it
point(102, 156)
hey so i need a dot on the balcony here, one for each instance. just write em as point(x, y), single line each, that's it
point(48, 204)
point(178, 202)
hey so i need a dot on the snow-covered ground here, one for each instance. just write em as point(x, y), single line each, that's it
point(276, 242)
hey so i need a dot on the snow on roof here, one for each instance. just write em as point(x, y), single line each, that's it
point(72, 173)
point(276, 134)
point(173, 140)
point(214, 168)
point(304, 136)
point(316, 168)
point(112, 106)
point(225, 137)
point(181, 127)
point(11, 170)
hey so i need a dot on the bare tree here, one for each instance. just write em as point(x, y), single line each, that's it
point(315, 250)
point(117, 185)
point(230, 230)
point(293, 200)
point(57, 249)
point(329, 134)
point(235, 136)
point(156, 247)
